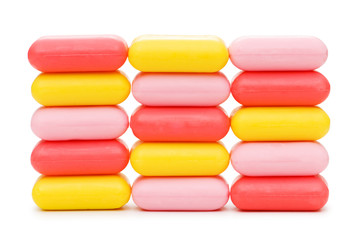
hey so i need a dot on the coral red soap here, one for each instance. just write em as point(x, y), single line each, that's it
point(200, 124)
point(80, 157)
point(280, 88)
point(88, 53)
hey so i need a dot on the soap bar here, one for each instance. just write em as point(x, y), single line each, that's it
point(280, 123)
point(280, 88)
point(74, 89)
point(80, 157)
point(170, 53)
point(197, 124)
point(93, 53)
point(181, 89)
point(79, 123)
point(279, 158)
point(278, 53)
point(303, 193)
point(180, 193)
point(81, 192)
point(179, 159)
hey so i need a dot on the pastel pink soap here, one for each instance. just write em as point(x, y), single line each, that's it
point(79, 123)
point(181, 89)
point(180, 193)
point(278, 53)
point(279, 158)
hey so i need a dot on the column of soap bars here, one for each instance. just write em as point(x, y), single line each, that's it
point(278, 123)
point(79, 155)
point(179, 123)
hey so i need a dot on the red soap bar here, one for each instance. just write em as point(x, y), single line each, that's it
point(280, 193)
point(78, 53)
point(80, 157)
point(280, 88)
point(201, 124)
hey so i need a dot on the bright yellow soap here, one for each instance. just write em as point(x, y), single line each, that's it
point(280, 123)
point(76, 89)
point(81, 192)
point(179, 159)
point(167, 53)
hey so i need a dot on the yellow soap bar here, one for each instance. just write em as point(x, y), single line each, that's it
point(169, 53)
point(81, 192)
point(280, 123)
point(179, 159)
point(75, 89)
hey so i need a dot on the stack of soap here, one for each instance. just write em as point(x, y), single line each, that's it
point(279, 158)
point(179, 122)
point(79, 155)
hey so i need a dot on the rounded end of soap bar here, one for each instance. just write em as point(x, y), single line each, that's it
point(81, 192)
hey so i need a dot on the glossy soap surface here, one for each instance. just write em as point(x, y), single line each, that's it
point(304, 193)
point(81, 192)
point(279, 158)
point(79, 123)
point(180, 193)
point(278, 53)
point(181, 89)
point(171, 53)
point(80, 157)
point(280, 88)
point(78, 53)
point(76, 89)
point(201, 124)
point(280, 123)
point(179, 159)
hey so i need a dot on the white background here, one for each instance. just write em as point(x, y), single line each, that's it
point(337, 23)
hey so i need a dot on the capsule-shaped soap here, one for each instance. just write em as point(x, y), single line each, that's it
point(81, 192)
point(302, 193)
point(79, 123)
point(180, 193)
point(280, 123)
point(56, 158)
point(179, 159)
point(76, 89)
point(278, 53)
point(279, 158)
point(166, 53)
point(197, 124)
point(95, 53)
point(280, 88)
point(181, 89)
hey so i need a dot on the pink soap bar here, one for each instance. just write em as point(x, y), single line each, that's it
point(307, 88)
point(181, 89)
point(78, 53)
point(91, 157)
point(286, 53)
point(79, 123)
point(279, 158)
point(180, 193)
